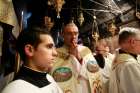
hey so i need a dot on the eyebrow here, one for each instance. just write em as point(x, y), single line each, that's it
point(50, 45)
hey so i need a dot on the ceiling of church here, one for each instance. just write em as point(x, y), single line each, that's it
point(104, 11)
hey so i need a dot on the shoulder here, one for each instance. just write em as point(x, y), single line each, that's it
point(84, 51)
point(50, 78)
point(131, 70)
point(126, 58)
point(53, 86)
point(16, 86)
point(83, 47)
point(126, 61)
point(123, 58)
point(133, 65)
point(63, 48)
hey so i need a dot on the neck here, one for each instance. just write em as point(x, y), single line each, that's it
point(35, 69)
point(127, 51)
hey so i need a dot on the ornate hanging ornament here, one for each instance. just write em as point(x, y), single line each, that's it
point(81, 18)
point(57, 5)
point(112, 28)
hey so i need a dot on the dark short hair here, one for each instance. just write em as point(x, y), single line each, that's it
point(127, 32)
point(29, 36)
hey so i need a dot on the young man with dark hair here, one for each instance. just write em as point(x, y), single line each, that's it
point(37, 51)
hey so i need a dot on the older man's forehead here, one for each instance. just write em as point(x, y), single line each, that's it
point(71, 28)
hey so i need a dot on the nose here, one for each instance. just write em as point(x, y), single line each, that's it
point(74, 36)
point(55, 52)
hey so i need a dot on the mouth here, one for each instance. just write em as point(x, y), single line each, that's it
point(74, 41)
point(52, 60)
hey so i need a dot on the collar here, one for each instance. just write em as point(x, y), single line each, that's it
point(122, 51)
point(38, 79)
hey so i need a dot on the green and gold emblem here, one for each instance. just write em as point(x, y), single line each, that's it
point(62, 74)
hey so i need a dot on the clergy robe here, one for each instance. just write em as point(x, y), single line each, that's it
point(125, 74)
point(29, 81)
point(74, 77)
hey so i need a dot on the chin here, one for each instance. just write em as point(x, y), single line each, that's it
point(47, 69)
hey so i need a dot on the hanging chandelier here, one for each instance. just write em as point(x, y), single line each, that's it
point(57, 4)
point(81, 18)
point(95, 30)
point(112, 28)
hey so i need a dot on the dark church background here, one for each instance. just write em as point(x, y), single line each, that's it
point(33, 12)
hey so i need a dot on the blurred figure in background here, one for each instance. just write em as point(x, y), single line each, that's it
point(113, 39)
point(104, 59)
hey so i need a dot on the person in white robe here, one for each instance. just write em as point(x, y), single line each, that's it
point(75, 69)
point(125, 73)
point(37, 51)
point(104, 59)
point(30, 81)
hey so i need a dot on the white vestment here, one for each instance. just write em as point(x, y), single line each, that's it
point(106, 71)
point(22, 86)
point(74, 77)
point(125, 75)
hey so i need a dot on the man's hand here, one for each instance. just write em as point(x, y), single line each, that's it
point(73, 50)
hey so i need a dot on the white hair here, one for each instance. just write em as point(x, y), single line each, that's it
point(127, 32)
point(129, 29)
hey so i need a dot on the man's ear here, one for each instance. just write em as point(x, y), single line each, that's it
point(29, 50)
point(132, 42)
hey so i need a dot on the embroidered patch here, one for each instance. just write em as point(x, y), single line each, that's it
point(68, 91)
point(62, 74)
point(92, 67)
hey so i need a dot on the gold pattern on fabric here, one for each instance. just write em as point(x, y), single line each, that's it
point(8, 16)
point(63, 55)
point(6, 11)
point(97, 85)
point(68, 91)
